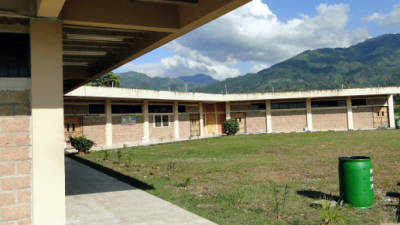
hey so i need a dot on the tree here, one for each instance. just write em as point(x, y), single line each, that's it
point(108, 80)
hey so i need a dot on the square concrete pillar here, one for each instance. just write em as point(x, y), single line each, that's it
point(228, 110)
point(176, 120)
point(391, 112)
point(109, 134)
point(146, 132)
point(350, 123)
point(268, 118)
point(201, 119)
point(48, 192)
point(309, 115)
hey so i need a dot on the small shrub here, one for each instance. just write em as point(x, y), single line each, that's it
point(330, 213)
point(231, 126)
point(130, 161)
point(106, 155)
point(119, 156)
point(171, 168)
point(186, 182)
point(279, 200)
point(81, 144)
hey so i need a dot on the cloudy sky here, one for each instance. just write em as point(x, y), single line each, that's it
point(264, 32)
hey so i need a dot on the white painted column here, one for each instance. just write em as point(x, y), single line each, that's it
point(350, 123)
point(309, 114)
point(109, 134)
point(201, 119)
point(268, 117)
point(228, 110)
point(176, 120)
point(216, 118)
point(48, 173)
point(391, 112)
point(146, 132)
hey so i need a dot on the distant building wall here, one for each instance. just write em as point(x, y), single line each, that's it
point(127, 133)
point(329, 119)
point(286, 116)
point(363, 117)
point(255, 122)
point(289, 120)
point(94, 128)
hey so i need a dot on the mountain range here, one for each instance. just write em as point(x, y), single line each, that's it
point(374, 62)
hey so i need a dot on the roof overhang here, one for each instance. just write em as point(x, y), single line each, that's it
point(101, 35)
point(139, 94)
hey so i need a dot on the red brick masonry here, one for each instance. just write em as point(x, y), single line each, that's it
point(15, 170)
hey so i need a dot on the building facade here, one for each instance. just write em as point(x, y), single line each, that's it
point(114, 117)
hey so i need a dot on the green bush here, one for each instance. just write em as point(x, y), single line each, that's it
point(231, 126)
point(81, 144)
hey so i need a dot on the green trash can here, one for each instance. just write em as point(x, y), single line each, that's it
point(356, 181)
point(398, 124)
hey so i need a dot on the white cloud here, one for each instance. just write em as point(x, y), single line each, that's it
point(387, 20)
point(254, 34)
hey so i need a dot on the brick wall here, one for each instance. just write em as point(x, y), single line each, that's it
point(15, 170)
point(255, 122)
point(329, 119)
point(288, 121)
point(161, 133)
point(363, 118)
point(94, 128)
point(184, 125)
point(127, 133)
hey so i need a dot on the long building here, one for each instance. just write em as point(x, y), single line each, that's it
point(114, 117)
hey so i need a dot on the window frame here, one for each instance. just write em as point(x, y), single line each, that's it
point(162, 122)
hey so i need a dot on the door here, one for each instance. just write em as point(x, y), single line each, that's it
point(211, 123)
point(241, 118)
point(72, 127)
point(194, 125)
point(380, 117)
point(221, 120)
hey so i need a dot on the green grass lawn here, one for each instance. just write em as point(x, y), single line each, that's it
point(235, 180)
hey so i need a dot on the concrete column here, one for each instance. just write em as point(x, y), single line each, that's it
point(268, 118)
point(350, 123)
point(48, 183)
point(146, 132)
point(391, 112)
point(109, 134)
point(216, 118)
point(201, 119)
point(309, 115)
point(228, 110)
point(176, 120)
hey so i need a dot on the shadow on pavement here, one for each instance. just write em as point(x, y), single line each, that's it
point(86, 177)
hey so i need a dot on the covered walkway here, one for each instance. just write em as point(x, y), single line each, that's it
point(94, 198)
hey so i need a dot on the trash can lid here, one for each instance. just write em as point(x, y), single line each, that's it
point(352, 158)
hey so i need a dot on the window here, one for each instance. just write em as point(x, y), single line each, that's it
point(330, 103)
point(160, 109)
point(357, 102)
point(258, 106)
point(161, 121)
point(182, 108)
point(96, 109)
point(288, 105)
point(124, 109)
point(128, 120)
point(14, 55)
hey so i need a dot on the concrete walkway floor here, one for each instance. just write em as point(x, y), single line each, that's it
point(94, 198)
